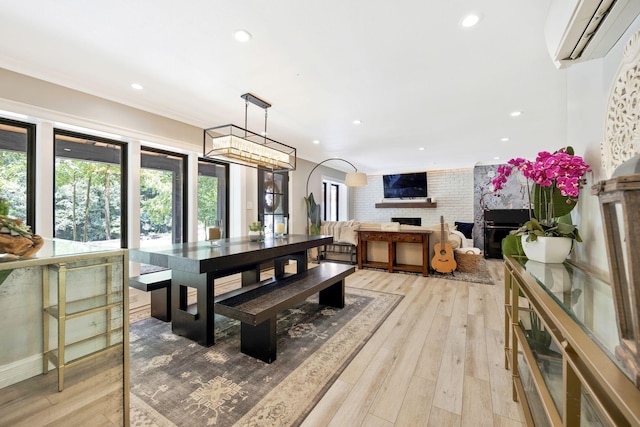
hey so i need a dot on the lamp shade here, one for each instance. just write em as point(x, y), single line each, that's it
point(356, 179)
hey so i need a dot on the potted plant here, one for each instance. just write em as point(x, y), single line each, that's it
point(554, 181)
point(313, 214)
point(256, 232)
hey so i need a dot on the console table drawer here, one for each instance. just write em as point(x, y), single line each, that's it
point(408, 238)
point(374, 235)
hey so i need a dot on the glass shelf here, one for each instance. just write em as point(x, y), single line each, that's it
point(88, 305)
point(560, 340)
point(585, 298)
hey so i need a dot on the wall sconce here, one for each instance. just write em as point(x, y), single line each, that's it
point(620, 207)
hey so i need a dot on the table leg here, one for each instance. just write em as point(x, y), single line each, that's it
point(196, 321)
point(425, 255)
point(251, 276)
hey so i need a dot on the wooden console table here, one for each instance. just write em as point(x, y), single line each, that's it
point(392, 238)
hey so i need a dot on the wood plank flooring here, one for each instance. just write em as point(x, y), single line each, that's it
point(438, 360)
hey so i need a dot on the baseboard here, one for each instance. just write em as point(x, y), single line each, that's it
point(20, 370)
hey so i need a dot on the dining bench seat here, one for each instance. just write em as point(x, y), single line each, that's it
point(159, 284)
point(256, 306)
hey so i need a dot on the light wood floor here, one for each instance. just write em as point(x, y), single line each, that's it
point(438, 360)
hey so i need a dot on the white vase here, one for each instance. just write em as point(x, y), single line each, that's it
point(255, 236)
point(547, 249)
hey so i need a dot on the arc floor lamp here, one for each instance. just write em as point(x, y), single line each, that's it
point(352, 179)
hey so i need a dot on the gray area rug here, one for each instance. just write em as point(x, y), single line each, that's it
point(175, 381)
point(481, 275)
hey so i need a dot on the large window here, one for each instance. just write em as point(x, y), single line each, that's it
point(162, 204)
point(89, 189)
point(17, 142)
point(334, 201)
point(213, 201)
point(273, 199)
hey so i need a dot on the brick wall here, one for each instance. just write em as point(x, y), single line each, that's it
point(451, 189)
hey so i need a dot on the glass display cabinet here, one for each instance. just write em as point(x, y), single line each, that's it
point(560, 341)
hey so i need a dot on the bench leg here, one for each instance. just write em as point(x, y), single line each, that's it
point(161, 304)
point(259, 341)
point(333, 296)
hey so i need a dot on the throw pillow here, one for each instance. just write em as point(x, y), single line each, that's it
point(349, 233)
point(465, 228)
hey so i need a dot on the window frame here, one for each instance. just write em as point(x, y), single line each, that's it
point(124, 175)
point(184, 161)
point(226, 202)
point(31, 153)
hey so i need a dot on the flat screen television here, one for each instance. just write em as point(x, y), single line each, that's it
point(405, 185)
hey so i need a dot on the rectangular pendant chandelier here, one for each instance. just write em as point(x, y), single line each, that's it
point(241, 146)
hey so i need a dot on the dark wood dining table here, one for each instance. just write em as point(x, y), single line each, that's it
point(198, 264)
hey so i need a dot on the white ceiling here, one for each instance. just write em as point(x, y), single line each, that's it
point(405, 68)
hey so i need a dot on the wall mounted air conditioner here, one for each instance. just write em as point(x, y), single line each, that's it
point(579, 30)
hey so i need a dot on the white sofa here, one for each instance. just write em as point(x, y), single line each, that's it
point(345, 234)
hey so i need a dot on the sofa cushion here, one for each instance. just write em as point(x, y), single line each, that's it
point(331, 228)
point(342, 231)
point(465, 228)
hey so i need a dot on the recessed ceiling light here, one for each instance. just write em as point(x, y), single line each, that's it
point(137, 86)
point(470, 20)
point(515, 113)
point(421, 148)
point(357, 122)
point(315, 141)
point(504, 139)
point(242, 35)
point(496, 158)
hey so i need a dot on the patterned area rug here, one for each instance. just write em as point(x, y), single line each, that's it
point(175, 381)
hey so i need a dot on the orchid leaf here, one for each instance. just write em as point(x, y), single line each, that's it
point(512, 245)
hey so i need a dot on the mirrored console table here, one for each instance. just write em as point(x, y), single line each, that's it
point(560, 341)
point(64, 315)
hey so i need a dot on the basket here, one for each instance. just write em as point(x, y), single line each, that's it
point(467, 261)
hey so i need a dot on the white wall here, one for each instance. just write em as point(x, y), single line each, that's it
point(588, 87)
point(452, 190)
point(49, 105)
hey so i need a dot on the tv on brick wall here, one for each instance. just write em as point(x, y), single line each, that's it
point(405, 185)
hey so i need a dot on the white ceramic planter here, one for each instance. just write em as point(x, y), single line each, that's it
point(547, 249)
point(255, 236)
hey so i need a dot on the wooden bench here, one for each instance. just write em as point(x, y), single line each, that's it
point(257, 305)
point(159, 284)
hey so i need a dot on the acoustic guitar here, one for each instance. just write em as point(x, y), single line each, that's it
point(443, 261)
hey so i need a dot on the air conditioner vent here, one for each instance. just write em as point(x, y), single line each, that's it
point(579, 30)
